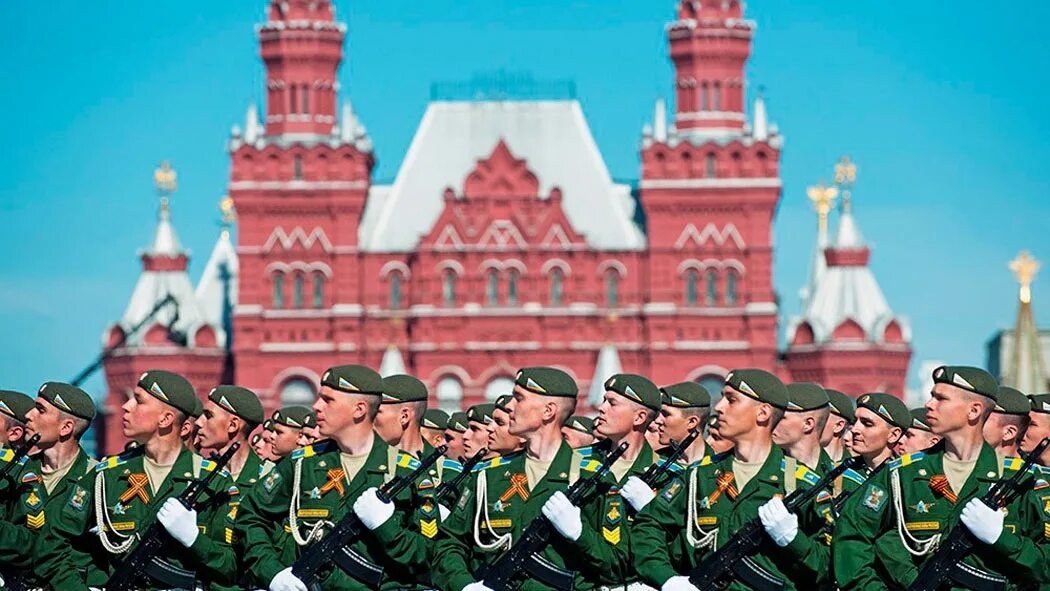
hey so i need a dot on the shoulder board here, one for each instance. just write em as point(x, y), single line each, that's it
point(209, 466)
point(854, 476)
point(709, 459)
point(802, 473)
point(1012, 464)
point(589, 465)
point(907, 459)
point(114, 461)
point(405, 460)
point(674, 467)
point(494, 462)
point(450, 464)
point(312, 450)
point(9, 454)
point(585, 451)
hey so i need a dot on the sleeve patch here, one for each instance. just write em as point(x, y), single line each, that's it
point(874, 498)
point(671, 490)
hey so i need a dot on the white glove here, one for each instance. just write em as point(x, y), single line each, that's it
point(564, 516)
point(985, 523)
point(678, 583)
point(444, 512)
point(780, 524)
point(637, 493)
point(478, 586)
point(180, 522)
point(372, 511)
point(286, 581)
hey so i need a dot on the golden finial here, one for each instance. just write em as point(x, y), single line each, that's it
point(823, 198)
point(164, 178)
point(1025, 266)
point(229, 214)
point(845, 176)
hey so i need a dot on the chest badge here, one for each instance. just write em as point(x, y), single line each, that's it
point(922, 507)
point(119, 509)
point(315, 493)
point(33, 501)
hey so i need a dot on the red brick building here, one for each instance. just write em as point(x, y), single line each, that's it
point(502, 242)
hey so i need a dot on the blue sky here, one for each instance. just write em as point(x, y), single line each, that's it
point(942, 105)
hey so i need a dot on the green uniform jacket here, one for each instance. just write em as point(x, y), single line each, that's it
point(322, 496)
point(661, 541)
point(29, 508)
point(507, 509)
point(216, 548)
point(871, 531)
point(67, 540)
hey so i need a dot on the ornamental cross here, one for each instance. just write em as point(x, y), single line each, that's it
point(1025, 267)
point(823, 198)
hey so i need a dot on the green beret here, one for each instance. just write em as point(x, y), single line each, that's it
point(502, 402)
point(268, 425)
point(635, 387)
point(1011, 401)
point(435, 418)
point(239, 401)
point(686, 395)
point(481, 413)
point(295, 416)
point(805, 396)
point(353, 379)
point(842, 405)
point(402, 388)
point(918, 419)
point(69, 399)
point(546, 381)
point(15, 404)
point(198, 408)
point(457, 421)
point(887, 406)
point(1040, 403)
point(971, 379)
point(582, 424)
point(170, 388)
point(760, 385)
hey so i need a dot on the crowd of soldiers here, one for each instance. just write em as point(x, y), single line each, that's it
point(837, 492)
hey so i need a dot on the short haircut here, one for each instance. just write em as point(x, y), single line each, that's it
point(821, 415)
point(775, 416)
point(372, 401)
point(80, 425)
point(1019, 421)
point(566, 406)
point(418, 408)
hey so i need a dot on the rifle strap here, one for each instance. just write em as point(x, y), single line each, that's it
point(574, 466)
point(198, 462)
point(790, 474)
point(391, 463)
point(837, 487)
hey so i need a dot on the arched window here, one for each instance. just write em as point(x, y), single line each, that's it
point(297, 167)
point(557, 277)
point(716, 99)
point(449, 394)
point(298, 391)
point(297, 291)
point(395, 291)
point(704, 104)
point(293, 104)
point(731, 295)
point(612, 288)
point(713, 384)
point(278, 290)
point(712, 287)
point(512, 288)
point(448, 288)
point(306, 99)
point(692, 288)
point(318, 300)
point(709, 165)
point(492, 288)
point(498, 387)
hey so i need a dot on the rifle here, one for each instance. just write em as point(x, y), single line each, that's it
point(334, 547)
point(653, 474)
point(735, 557)
point(144, 558)
point(840, 501)
point(947, 562)
point(523, 557)
point(15, 458)
point(450, 487)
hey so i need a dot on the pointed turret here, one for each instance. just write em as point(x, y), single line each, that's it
point(252, 128)
point(660, 121)
point(760, 127)
point(1026, 369)
point(607, 366)
point(217, 290)
point(823, 198)
point(393, 363)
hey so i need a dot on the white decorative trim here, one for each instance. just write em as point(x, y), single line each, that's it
point(297, 313)
point(761, 308)
point(710, 345)
point(450, 234)
point(566, 269)
point(710, 115)
point(712, 183)
point(297, 185)
point(347, 309)
point(296, 347)
point(450, 370)
point(710, 264)
point(291, 373)
point(503, 233)
point(707, 370)
point(556, 233)
point(247, 310)
point(514, 264)
point(453, 265)
point(710, 231)
point(288, 240)
point(395, 266)
point(300, 266)
point(607, 264)
point(502, 346)
point(347, 346)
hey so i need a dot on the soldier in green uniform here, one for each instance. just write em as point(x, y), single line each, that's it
point(715, 443)
point(82, 542)
point(287, 425)
point(318, 486)
point(691, 517)
point(60, 416)
point(457, 428)
point(188, 431)
point(13, 409)
point(904, 511)
point(230, 415)
point(505, 496)
point(433, 426)
point(578, 431)
point(918, 436)
point(500, 440)
point(798, 433)
point(683, 407)
point(477, 434)
point(1005, 428)
point(836, 429)
point(1038, 424)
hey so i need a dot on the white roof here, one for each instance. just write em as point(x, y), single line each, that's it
point(552, 136)
point(847, 293)
point(217, 290)
point(607, 366)
point(165, 240)
point(393, 363)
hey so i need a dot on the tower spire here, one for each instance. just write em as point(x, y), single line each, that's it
point(1027, 370)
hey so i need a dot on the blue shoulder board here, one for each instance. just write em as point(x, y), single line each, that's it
point(907, 459)
point(312, 450)
point(119, 460)
point(405, 460)
point(854, 476)
point(674, 468)
point(494, 462)
point(450, 464)
point(709, 460)
point(589, 465)
point(802, 473)
point(585, 451)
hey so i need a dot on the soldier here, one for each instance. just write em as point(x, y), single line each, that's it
point(684, 407)
point(500, 441)
point(903, 512)
point(1038, 426)
point(881, 422)
point(798, 433)
point(1005, 428)
point(103, 512)
point(288, 423)
point(401, 412)
point(317, 487)
point(60, 416)
point(506, 496)
point(435, 422)
point(716, 443)
point(13, 409)
point(188, 431)
point(457, 428)
point(688, 519)
point(264, 444)
point(918, 436)
point(836, 430)
point(309, 435)
point(578, 432)
point(477, 434)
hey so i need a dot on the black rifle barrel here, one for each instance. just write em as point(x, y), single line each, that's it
point(656, 471)
point(16, 456)
point(446, 489)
